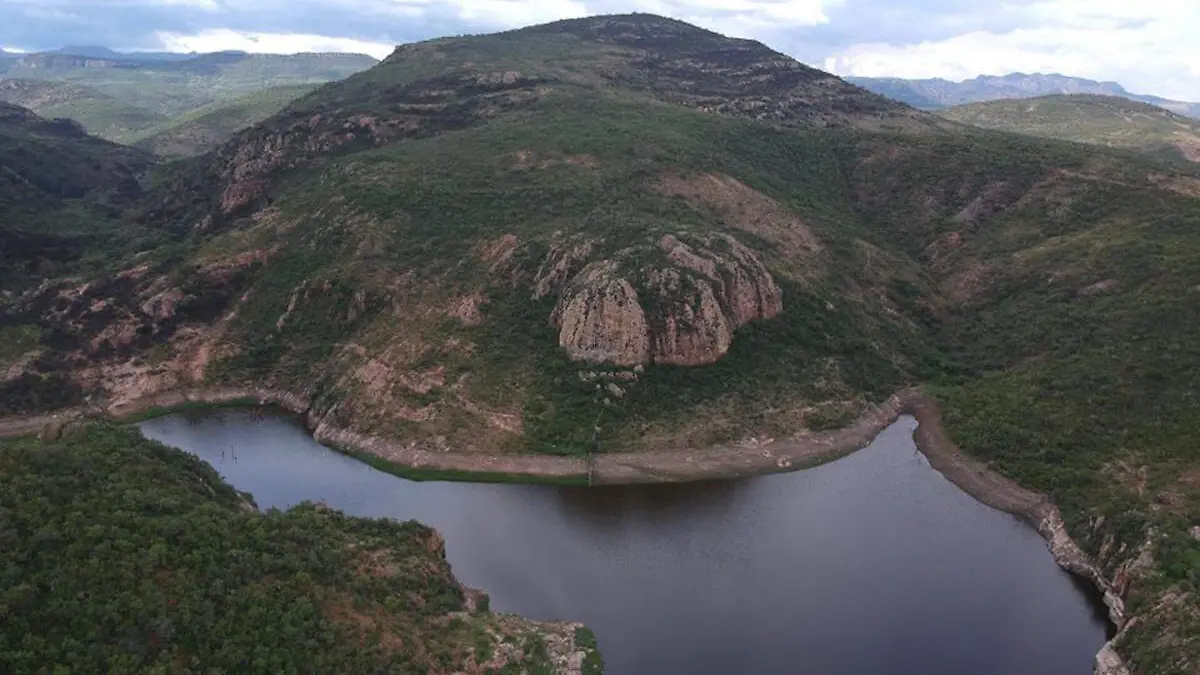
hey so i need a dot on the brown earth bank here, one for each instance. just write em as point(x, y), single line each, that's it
point(751, 457)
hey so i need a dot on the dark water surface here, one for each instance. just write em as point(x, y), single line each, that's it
point(874, 564)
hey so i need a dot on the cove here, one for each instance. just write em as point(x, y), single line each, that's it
point(873, 564)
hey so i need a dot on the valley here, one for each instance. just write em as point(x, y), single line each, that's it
point(626, 236)
point(175, 107)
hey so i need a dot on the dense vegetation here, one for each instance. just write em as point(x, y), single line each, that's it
point(379, 245)
point(62, 194)
point(121, 555)
point(1100, 120)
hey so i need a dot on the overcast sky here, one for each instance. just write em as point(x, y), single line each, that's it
point(1150, 46)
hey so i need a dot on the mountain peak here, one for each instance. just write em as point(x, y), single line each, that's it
point(665, 59)
point(91, 51)
point(937, 93)
point(628, 29)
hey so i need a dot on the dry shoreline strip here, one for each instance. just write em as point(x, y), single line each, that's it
point(754, 457)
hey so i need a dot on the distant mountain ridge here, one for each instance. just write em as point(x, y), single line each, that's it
point(102, 52)
point(1089, 118)
point(101, 57)
point(935, 93)
point(99, 113)
point(125, 96)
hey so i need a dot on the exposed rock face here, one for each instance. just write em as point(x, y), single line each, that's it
point(738, 276)
point(693, 329)
point(565, 258)
point(601, 321)
point(690, 304)
point(162, 306)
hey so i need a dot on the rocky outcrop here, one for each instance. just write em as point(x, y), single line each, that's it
point(1109, 662)
point(601, 320)
point(565, 258)
point(692, 329)
point(161, 307)
point(693, 296)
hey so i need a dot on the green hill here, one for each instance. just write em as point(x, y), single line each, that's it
point(62, 193)
point(628, 233)
point(100, 114)
point(205, 128)
point(1085, 118)
point(121, 555)
point(173, 88)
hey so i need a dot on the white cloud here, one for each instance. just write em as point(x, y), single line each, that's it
point(268, 43)
point(1150, 47)
point(208, 5)
point(515, 13)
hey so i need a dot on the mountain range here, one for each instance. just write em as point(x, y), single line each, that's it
point(931, 94)
point(131, 97)
point(627, 234)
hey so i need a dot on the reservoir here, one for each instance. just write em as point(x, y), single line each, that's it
point(871, 565)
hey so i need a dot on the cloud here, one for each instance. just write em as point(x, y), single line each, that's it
point(1146, 45)
point(268, 43)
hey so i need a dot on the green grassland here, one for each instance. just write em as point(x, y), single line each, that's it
point(174, 88)
point(205, 128)
point(178, 107)
point(1099, 120)
point(100, 114)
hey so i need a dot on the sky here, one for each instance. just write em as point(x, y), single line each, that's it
point(1150, 46)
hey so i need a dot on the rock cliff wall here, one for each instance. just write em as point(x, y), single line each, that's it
point(677, 303)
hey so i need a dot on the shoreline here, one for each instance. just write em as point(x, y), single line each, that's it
point(750, 458)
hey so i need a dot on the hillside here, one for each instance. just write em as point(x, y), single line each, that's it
point(206, 128)
point(627, 233)
point(100, 114)
point(937, 93)
point(60, 190)
point(1085, 118)
point(119, 554)
point(171, 87)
